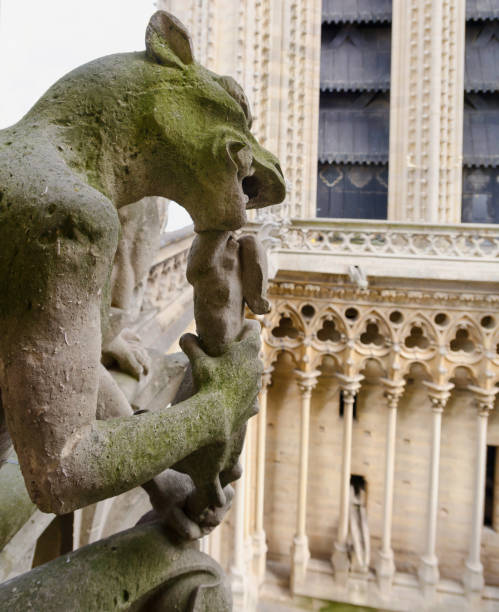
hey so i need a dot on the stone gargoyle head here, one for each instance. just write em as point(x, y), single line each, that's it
point(207, 118)
point(157, 123)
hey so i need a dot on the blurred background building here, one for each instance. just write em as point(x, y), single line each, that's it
point(371, 472)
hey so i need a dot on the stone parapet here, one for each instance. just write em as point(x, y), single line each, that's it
point(383, 248)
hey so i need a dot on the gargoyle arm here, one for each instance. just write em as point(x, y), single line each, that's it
point(50, 325)
point(69, 459)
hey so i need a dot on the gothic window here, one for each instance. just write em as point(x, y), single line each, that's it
point(480, 199)
point(354, 109)
point(285, 329)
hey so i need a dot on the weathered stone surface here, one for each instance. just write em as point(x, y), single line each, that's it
point(138, 569)
point(226, 274)
point(15, 504)
point(78, 231)
point(107, 134)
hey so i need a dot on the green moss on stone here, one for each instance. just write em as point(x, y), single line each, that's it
point(111, 574)
point(15, 504)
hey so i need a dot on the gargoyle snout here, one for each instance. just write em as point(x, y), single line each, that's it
point(266, 185)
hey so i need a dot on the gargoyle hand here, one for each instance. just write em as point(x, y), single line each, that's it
point(127, 351)
point(234, 377)
point(170, 492)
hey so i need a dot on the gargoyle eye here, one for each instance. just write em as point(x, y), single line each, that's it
point(233, 88)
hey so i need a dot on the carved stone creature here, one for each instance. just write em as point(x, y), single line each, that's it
point(106, 135)
point(226, 274)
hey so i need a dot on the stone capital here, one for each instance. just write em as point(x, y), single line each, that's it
point(350, 385)
point(306, 380)
point(438, 394)
point(394, 390)
point(266, 378)
point(484, 398)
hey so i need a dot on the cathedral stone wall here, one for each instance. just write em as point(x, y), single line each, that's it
point(412, 466)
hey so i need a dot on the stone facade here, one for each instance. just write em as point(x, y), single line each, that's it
point(391, 321)
point(427, 81)
point(381, 349)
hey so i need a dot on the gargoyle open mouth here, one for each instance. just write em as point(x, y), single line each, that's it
point(251, 187)
point(259, 176)
point(265, 186)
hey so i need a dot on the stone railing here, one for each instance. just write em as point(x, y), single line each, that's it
point(466, 241)
point(167, 309)
point(167, 279)
point(313, 245)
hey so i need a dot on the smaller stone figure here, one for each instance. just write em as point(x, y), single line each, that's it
point(227, 273)
point(359, 530)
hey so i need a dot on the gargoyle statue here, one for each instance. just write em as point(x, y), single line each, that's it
point(106, 135)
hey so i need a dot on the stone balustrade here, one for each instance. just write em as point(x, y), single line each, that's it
point(382, 248)
point(390, 238)
point(167, 309)
point(167, 281)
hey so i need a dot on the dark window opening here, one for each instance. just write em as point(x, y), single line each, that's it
point(480, 195)
point(342, 406)
point(352, 191)
point(285, 329)
point(354, 107)
point(490, 475)
point(358, 483)
point(480, 187)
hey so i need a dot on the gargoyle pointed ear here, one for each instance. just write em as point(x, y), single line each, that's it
point(168, 41)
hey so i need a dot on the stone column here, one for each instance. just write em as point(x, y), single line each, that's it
point(385, 569)
point(259, 541)
point(238, 574)
point(249, 496)
point(473, 573)
point(300, 553)
point(340, 559)
point(426, 111)
point(428, 569)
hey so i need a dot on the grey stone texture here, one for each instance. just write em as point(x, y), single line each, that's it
point(77, 233)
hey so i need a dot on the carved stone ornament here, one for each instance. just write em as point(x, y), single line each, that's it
point(441, 330)
point(78, 230)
